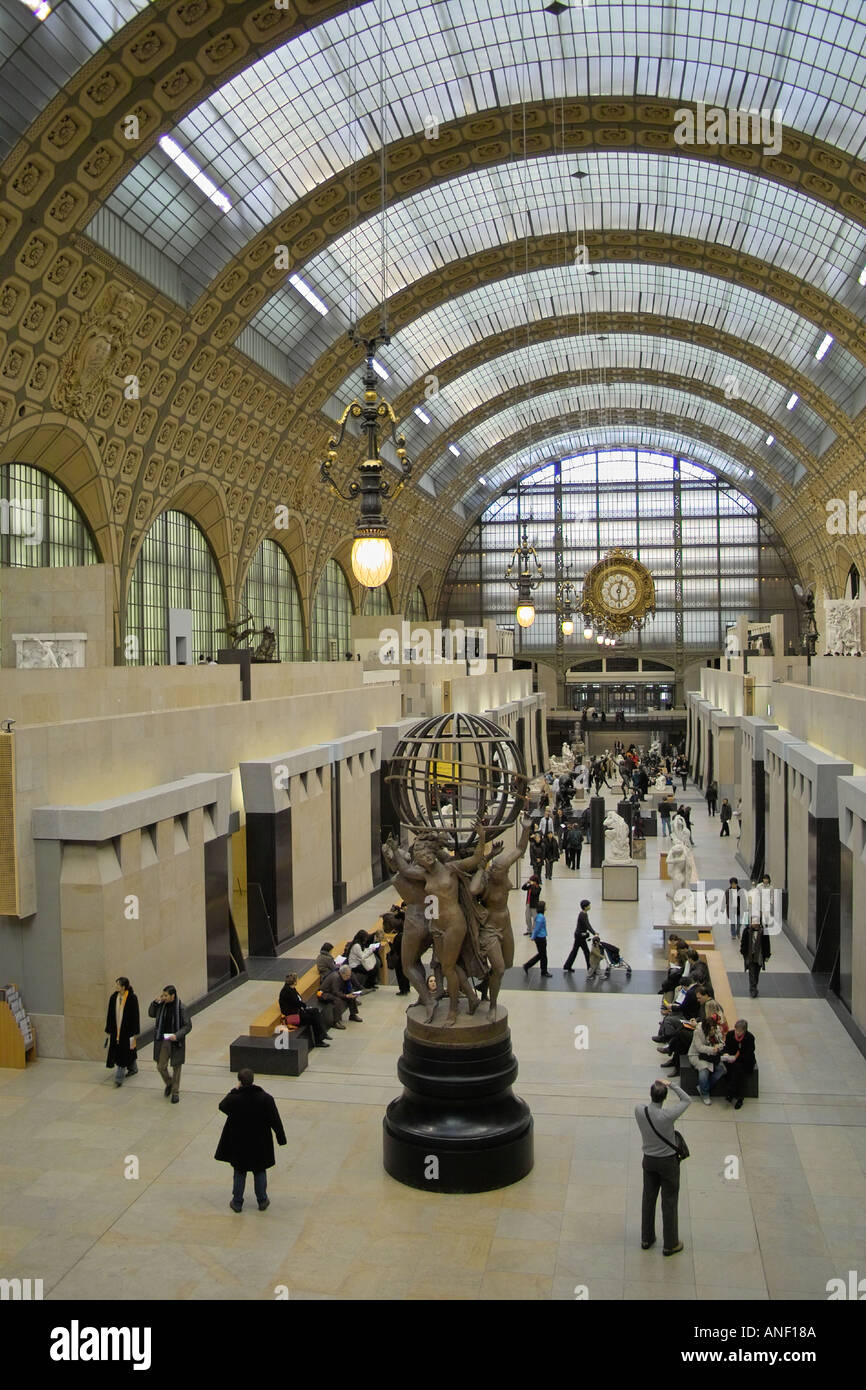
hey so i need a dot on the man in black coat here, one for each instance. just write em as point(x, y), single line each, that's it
point(169, 1035)
point(740, 1047)
point(246, 1141)
point(756, 951)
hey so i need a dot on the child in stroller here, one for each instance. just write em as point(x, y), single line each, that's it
point(605, 956)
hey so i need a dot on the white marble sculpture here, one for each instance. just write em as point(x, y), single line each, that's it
point(679, 869)
point(843, 626)
point(680, 835)
point(660, 784)
point(655, 748)
point(581, 777)
point(616, 839)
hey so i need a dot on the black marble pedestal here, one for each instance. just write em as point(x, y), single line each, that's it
point(458, 1127)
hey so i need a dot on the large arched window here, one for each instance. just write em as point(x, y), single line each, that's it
point(332, 615)
point(174, 569)
point(725, 563)
point(39, 522)
point(271, 595)
point(417, 609)
point(377, 602)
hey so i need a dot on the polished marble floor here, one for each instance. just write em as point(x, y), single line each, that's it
point(109, 1193)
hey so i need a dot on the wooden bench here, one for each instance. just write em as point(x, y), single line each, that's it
point(722, 995)
point(705, 936)
point(265, 1023)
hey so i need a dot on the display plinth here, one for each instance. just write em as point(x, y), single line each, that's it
point(619, 881)
point(458, 1127)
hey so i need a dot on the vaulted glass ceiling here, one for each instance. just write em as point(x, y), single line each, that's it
point(297, 117)
point(546, 407)
point(620, 287)
point(38, 57)
point(516, 374)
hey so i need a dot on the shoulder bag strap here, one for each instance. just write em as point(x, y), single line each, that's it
point(656, 1133)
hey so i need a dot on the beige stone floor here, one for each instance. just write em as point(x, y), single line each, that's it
point(793, 1218)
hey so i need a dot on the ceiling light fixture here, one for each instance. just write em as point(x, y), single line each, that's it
point(452, 448)
point(792, 401)
point(824, 348)
point(380, 370)
point(372, 553)
point(525, 581)
point(861, 278)
point(193, 172)
point(422, 415)
point(39, 8)
point(771, 439)
point(310, 295)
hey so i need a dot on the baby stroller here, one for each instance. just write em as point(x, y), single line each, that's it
point(613, 956)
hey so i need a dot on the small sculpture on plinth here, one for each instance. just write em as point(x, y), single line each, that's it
point(679, 870)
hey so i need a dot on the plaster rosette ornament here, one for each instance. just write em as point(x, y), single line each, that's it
point(458, 783)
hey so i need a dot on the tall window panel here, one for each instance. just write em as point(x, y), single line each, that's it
point(417, 608)
point(377, 602)
point(174, 569)
point(39, 522)
point(332, 615)
point(271, 595)
point(624, 497)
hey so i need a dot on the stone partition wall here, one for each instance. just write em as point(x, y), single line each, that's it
point(752, 783)
point(287, 801)
point(776, 808)
point(852, 904)
point(724, 729)
point(355, 762)
point(124, 893)
point(813, 850)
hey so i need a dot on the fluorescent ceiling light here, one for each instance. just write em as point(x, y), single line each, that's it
point(751, 472)
point(771, 439)
point(193, 172)
point(422, 415)
point(484, 482)
point(792, 401)
point(380, 370)
point(38, 7)
point(826, 343)
point(454, 450)
point(861, 278)
point(311, 297)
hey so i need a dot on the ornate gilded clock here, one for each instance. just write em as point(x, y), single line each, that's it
point(618, 593)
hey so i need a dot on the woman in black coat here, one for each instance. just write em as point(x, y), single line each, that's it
point(246, 1141)
point(122, 1025)
point(293, 1006)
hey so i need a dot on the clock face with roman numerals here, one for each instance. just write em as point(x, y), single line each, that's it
point(619, 590)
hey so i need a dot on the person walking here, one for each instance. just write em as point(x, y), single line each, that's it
point(246, 1141)
point(756, 951)
point(551, 854)
point(582, 933)
point(683, 771)
point(666, 807)
point(661, 1165)
point(539, 936)
point(711, 796)
point(725, 812)
point(739, 1059)
point(169, 1038)
point(536, 853)
point(733, 902)
point(122, 1026)
point(573, 846)
point(532, 888)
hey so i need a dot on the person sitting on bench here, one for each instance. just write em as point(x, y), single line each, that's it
point(363, 959)
point(292, 1006)
point(739, 1057)
point(338, 989)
